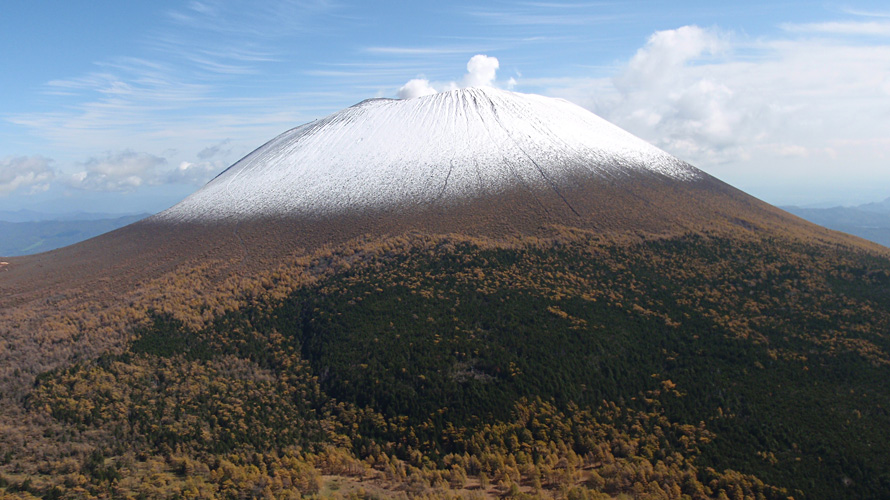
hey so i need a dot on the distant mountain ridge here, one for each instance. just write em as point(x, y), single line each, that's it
point(879, 207)
point(25, 215)
point(35, 232)
point(870, 220)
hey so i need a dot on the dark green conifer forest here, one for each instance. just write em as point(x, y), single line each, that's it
point(695, 366)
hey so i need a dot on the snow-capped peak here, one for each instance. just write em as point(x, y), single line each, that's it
point(439, 148)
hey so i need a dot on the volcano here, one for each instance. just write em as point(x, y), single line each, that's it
point(432, 293)
point(438, 150)
point(479, 161)
point(476, 162)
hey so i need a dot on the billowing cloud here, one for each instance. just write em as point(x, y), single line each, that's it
point(481, 72)
point(121, 171)
point(17, 172)
point(690, 113)
point(417, 87)
point(667, 50)
point(762, 114)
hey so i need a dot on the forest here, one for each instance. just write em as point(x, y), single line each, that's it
point(443, 366)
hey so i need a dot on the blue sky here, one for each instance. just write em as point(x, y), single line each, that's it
point(112, 106)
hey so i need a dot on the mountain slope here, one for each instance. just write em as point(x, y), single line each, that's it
point(477, 293)
point(700, 365)
point(457, 145)
point(475, 162)
point(28, 237)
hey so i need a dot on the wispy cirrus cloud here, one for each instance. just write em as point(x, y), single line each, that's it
point(866, 13)
point(160, 108)
point(538, 17)
point(236, 18)
point(871, 28)
point(237, 37)
point(204, 45)
point(126, 100)
point(131, 80)
point(417, 51)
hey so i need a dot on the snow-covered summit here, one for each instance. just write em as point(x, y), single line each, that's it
point(454, 145)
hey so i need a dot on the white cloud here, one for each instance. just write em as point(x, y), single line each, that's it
point(768, 115)
point(197, 173)
point(667, 95)
point(481, 72)
point(793, 150)
point(842, 28)
point(866, 13)
point(668, 50)
point(121, 171)
point(129, 170)
point(418, 87)
point(25, 171)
